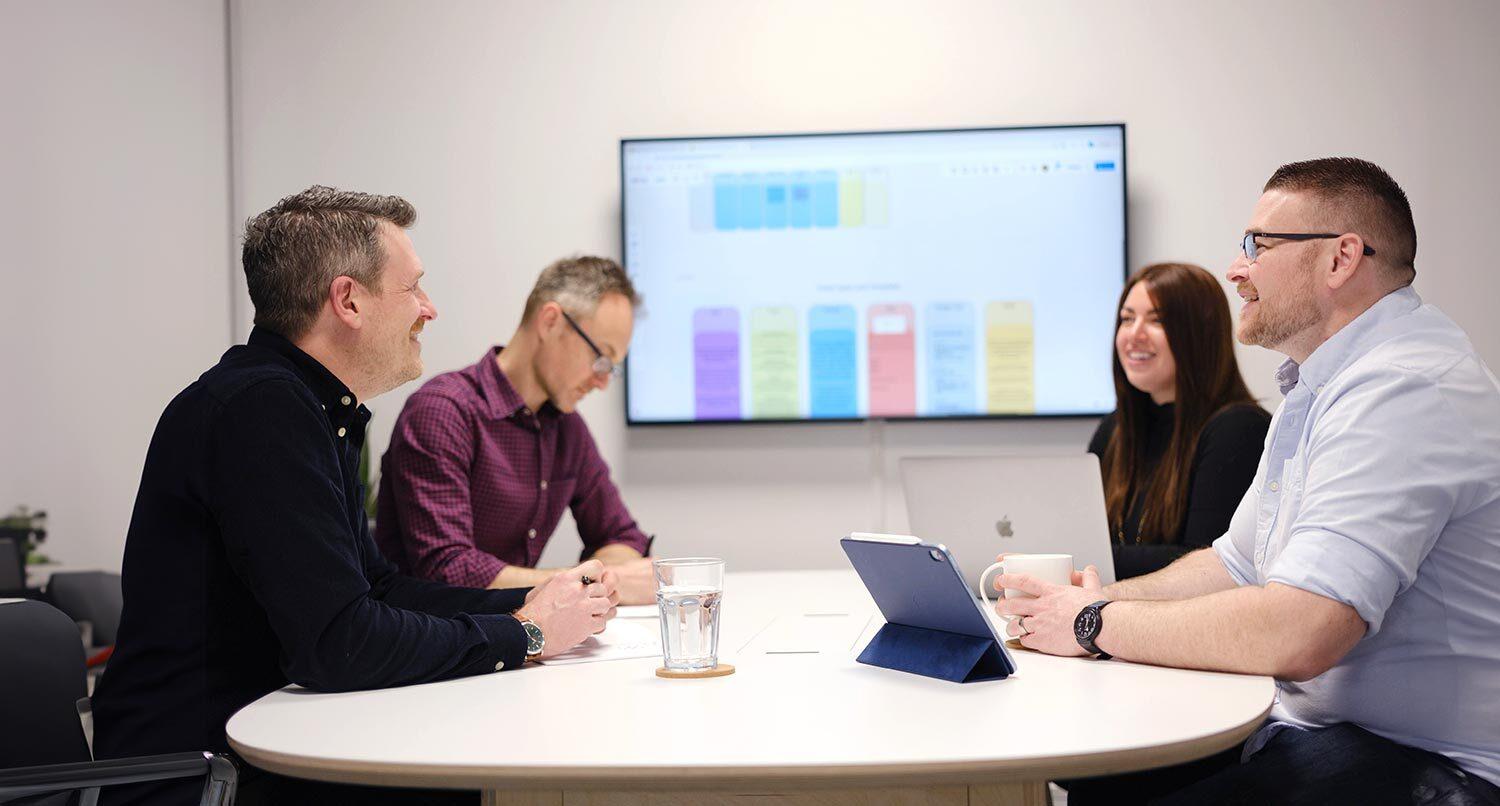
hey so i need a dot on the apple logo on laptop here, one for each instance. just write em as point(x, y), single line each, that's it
point(1003, 526)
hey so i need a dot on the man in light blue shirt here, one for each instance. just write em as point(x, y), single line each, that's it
point(1362, 568)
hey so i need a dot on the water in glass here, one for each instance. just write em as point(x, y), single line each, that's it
point(689, 627)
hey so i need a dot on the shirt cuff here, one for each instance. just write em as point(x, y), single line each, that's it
point(1233, 562)
point(470, 568)
point(507, 641)
point(636, 541)
point(1337, 568)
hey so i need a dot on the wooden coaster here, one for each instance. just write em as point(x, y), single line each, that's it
point(1014, 643)
point(717, 671)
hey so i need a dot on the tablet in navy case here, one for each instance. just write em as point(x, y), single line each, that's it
point(934, 625)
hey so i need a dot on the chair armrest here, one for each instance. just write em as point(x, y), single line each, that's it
point(22, 781)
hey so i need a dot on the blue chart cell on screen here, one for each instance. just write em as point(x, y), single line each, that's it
point(726, 202)
point(951, 377)
point(825, 199)
point(775, 211)
point(831, 336)
point(799, 209)
point(752, 201)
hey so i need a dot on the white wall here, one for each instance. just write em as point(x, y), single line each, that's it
point(114, 225)
point(500, 120)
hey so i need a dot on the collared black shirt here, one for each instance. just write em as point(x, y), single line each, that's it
point(249, 565)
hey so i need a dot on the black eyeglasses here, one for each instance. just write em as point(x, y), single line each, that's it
point(602, 365)
point(1252, 249)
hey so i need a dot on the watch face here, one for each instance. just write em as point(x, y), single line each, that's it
point(1087, 624)
point(534, 642)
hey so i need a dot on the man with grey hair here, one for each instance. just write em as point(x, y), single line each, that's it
point(249, 563)
point(484, 460)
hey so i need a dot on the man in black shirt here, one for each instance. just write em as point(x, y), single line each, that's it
point(249, 563)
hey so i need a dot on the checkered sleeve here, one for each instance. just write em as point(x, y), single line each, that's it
point(431, 451)
point(597, 506)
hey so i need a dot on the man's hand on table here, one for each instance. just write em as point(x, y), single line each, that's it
point(1048, 622)
point(635, 581)
point(567, 610)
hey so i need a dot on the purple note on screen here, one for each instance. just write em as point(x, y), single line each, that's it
point(716, 363)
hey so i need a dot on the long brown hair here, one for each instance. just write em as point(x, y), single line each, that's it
point(1194, 314)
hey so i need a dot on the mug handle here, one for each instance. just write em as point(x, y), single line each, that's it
point(984, 590)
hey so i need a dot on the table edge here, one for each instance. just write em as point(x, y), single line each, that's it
point(636, 777)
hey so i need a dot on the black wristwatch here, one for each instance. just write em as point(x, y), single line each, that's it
point(1086, 627)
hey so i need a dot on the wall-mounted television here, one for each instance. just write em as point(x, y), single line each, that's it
point(906, 275)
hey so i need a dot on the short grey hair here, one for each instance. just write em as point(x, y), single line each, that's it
point(577, 284)
point(293, 251)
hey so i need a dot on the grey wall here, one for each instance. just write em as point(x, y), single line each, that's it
point(500, 120)
point(114, 225)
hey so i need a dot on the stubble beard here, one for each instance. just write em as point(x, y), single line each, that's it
point(1276, 324)
point(390, 369)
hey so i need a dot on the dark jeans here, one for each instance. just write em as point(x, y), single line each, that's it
point(260, 788)
point(1340, 764)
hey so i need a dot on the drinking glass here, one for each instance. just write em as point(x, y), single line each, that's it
point(688, 592)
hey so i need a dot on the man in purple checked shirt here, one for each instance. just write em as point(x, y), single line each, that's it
point(483, 460)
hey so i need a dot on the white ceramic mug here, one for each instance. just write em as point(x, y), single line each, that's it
point(1054, 568)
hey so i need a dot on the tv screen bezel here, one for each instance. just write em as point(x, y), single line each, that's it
point(922, 418)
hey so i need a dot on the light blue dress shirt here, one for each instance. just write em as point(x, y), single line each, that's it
point(1379, 487)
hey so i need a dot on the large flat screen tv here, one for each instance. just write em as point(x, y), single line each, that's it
point(919, 274)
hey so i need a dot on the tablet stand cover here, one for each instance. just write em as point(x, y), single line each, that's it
point(934, 627)
point(934, 653)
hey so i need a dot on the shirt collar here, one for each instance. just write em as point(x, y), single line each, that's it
point(1347, 344)
point(336, 397)
point(505, 402)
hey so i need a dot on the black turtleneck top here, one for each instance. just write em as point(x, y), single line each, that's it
point(1223, 466)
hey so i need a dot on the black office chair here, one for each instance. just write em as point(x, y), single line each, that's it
point(43, 749)
point(92, 596)
point(12, 565)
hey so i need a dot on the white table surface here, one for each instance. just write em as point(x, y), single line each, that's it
point(816, 719)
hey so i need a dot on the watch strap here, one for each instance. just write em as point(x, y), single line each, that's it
point(1086, 639)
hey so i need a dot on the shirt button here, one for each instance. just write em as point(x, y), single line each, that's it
point(526, 412)
point(1319, 389)
point(345, 400)
point(500, 665)
point(1275, 485)
point(531, 533)
point(544, 484)
point(343, 431)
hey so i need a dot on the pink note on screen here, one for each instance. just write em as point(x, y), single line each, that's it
point(893, 361)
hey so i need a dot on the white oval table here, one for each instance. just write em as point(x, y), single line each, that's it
point(802, 728)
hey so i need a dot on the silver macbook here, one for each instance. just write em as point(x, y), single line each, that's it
point(981, 506)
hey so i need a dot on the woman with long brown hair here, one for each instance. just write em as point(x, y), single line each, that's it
point(1183, 442)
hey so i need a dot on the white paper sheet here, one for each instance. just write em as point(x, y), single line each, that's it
point(638, 611)
point(810, 634)
point(620, 640)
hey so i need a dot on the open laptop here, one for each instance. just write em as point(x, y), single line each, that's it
point(981, 506)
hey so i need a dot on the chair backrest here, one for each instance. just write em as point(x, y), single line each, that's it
point(41, 679)
point(12, 573)
point(92, 596)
